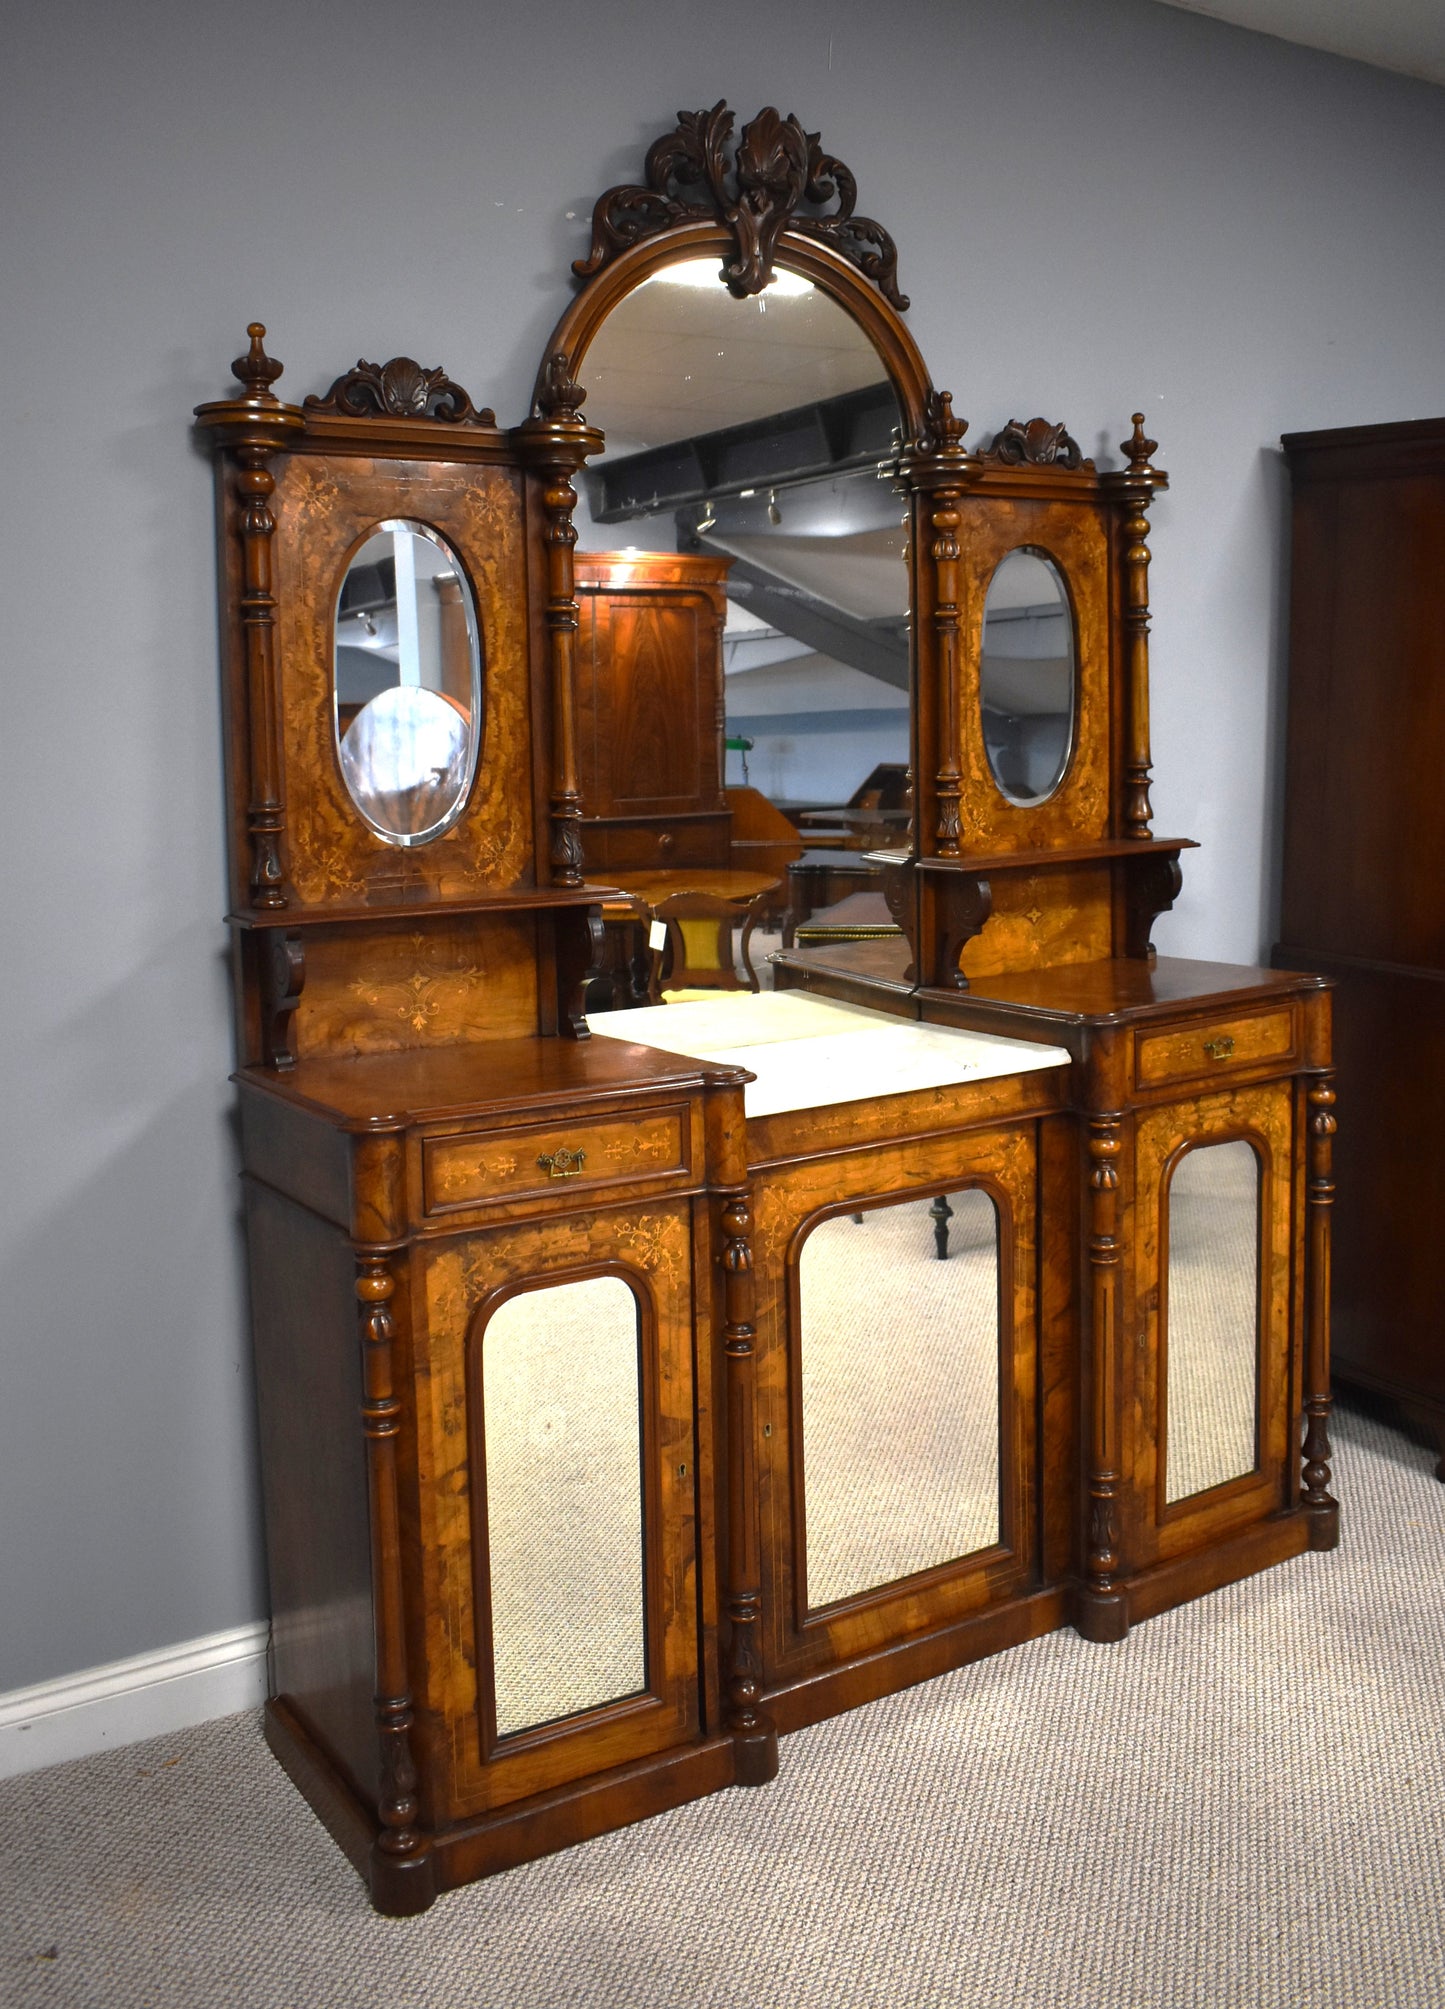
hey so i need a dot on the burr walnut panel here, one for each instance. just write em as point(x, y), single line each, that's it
point(1040, 919)
point(546, 1157)
point(1212, 1048)
point(1157, 1528)
point(426, 982)
point(457, 1282)
point(325, 507)
point(1073, 535)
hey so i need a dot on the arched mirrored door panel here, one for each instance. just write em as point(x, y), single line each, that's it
point(899, 1369)
point(1211, 1303)
point(562, 1407)
point(749, 432)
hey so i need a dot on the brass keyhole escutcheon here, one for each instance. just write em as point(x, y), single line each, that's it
point(561, 1163)
point(682, 1471)
point(1219, 1049)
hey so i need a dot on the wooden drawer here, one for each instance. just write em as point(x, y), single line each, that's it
point(679, 840)
point(1212, 1048)
point(566, 1156)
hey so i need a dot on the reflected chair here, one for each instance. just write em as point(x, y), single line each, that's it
point(707, 937)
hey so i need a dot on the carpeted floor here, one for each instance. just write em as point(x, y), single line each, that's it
point(1241, 1806)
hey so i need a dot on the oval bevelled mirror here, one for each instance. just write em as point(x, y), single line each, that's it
point(407, 682)
point(1026, 677)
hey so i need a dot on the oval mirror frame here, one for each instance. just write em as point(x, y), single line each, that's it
point(1028, 687)
point(407, 682)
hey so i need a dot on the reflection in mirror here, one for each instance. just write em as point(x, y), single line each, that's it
point(407, 682)
point(1212, 1317)
point(561, 1405)
point(1026, 677)
point(900, 1392)
point(750, 430)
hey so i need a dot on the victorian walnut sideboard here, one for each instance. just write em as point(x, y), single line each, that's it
point(636, 1384)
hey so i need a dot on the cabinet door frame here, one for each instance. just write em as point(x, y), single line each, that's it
point(651, 1251)
point(801, 1641)
point(1261, 1116)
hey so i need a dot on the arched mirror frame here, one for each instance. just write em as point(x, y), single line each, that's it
point(932, 469)
point(1165, 1508)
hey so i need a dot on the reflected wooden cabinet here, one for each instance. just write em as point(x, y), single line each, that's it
point(650, 709)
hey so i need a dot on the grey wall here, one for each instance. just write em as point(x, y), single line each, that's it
point(1099, 206)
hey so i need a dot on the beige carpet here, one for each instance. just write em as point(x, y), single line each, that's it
point(1240, 1807)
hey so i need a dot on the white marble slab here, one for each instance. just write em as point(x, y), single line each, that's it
point(808, 1052)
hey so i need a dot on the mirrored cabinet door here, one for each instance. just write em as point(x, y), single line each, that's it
point(1214, 1265)
point(561, 1386)
point(899, 1352)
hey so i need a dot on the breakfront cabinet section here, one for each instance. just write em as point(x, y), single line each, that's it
point(898, 1464)
point(493, 1359)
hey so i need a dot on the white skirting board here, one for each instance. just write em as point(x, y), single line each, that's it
point(147, 1696)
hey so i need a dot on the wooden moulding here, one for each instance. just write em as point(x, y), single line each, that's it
point(466, 1850)
point(1321, 1509)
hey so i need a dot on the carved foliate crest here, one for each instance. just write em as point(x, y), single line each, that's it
point(1036, 444)
point(777, 166)
point(400, 389)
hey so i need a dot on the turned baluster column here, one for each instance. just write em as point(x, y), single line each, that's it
point(1103, 1614)
point(559, 443)
point(1321, 1509)
point(402, 1870)
point(755, 1739)
point(1133, 491)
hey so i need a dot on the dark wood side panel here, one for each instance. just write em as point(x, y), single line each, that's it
point(1390, 1172)
point(313, 1473)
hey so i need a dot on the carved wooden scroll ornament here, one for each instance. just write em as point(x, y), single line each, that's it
point(776, 167)
point(400, 389)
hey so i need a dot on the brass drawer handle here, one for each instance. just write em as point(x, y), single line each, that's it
point(561, 1163)
point(1219, 1049)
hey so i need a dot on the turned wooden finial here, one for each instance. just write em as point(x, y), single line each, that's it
point(1137, 448)
point(256, 370)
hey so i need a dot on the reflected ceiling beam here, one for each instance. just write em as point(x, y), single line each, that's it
point(821, 438)
point(878, 648)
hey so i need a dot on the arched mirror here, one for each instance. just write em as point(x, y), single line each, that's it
point(1027, 677)
point(561, 1403)
point(745, 435)
point(1212, 1318)
point(407, 682)
point(899, 1391)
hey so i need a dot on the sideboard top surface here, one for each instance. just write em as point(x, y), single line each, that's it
point(385, 1091)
